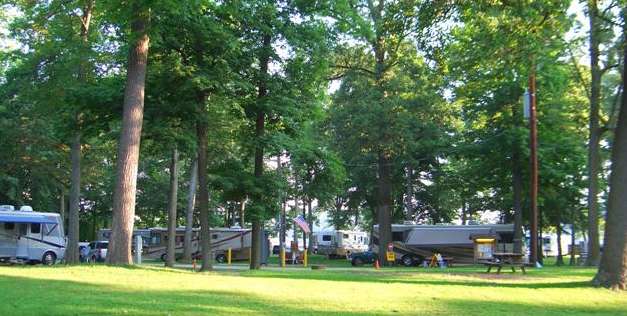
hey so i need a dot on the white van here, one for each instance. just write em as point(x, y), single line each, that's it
point(30, 237)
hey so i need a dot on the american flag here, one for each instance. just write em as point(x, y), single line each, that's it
point(300, 221)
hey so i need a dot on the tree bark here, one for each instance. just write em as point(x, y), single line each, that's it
point(282, 216)
point(595, 137)
point(613, 267)
point(172, 203)
point(242, 213)
point(130, 135)
point(304, 217)
point(572, 240)
point(203, 197)
point(517, 187)
point(409, 194)
point(310, 222)
point(257, 220)
point(189, 222)
point(71, 254)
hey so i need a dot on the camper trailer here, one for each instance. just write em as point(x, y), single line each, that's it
point(414, 243)
point(155, 241)
point(340, 243)
point(30, 237)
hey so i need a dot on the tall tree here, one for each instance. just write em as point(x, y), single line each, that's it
point(128, 147)
point(71, 254)
point(612, 271)
point(172, 204)
point(595, 136)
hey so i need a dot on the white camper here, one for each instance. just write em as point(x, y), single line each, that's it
point(340, 243)
point(237, 239)
point(30, 237)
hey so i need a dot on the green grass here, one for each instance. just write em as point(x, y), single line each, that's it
point(103, 290)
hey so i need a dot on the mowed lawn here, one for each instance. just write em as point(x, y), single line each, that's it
point(103, 290)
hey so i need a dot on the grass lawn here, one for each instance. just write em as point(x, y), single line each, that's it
point(98, 289)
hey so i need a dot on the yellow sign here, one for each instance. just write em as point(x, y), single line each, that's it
point(390, 255)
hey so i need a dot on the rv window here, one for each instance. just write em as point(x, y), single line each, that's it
point(326, 237)
point(49, 228)
point(35, 228)
point(22, 229)
point(345, 236)
point(9, 226)
point(507, 238)
point(214, 236)
point(397, 236)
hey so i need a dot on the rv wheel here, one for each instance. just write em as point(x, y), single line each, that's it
point(164, 257)
point(408, 260)
point(221, 258)
point(49, 258)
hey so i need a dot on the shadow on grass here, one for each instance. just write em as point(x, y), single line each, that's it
point(27, 296)
point(479, 279)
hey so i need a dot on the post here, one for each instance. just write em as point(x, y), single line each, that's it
point(138, 249)
point(283, 256)
point(533, 144)
point(228, 256)
point(305, 258)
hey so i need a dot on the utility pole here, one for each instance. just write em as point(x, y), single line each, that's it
point(533, 144)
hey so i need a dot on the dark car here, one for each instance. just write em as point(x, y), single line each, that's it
point(361, 258)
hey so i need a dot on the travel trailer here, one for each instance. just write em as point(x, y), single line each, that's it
point(340, 243)
point(414, 243)
point(155, 242)
point(30, 237)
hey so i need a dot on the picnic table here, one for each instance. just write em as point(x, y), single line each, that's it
point(510, 259)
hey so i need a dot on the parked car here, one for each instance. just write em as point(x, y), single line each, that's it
point(83, 251)
point(98, 251)
point(361, 258)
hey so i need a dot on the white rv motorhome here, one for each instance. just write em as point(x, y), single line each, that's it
point(30, 237)
point(237, 239)
point(340, 243)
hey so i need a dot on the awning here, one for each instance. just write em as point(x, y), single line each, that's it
point(27, 218)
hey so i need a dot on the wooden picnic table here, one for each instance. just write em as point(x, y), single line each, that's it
point(510, 259)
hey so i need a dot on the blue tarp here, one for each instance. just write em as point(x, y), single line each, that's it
point(27, 218)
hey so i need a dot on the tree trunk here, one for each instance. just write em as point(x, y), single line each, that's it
point(464, 213)
point(310, 222)
point(595, 135)
point(613, 267)
point(304, 217)
point(203, 197)
point(242, 213)
point(128, 151)
point(257, 220)
point(571, 262)
point(517, 187)
point(71, 254)
point(560, 258)
point(384, 207)
point(172, 204)
point(189, 222)
point(409, 194)
point(282, 216)
point(62, 209)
